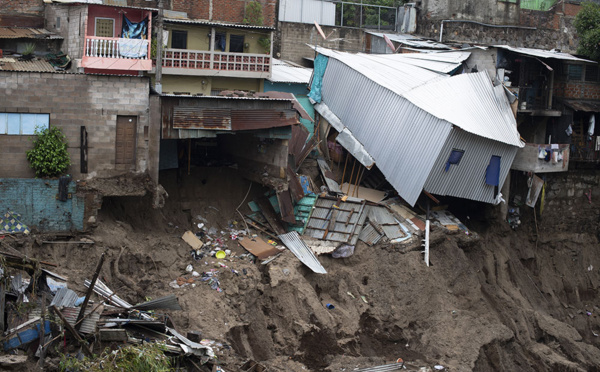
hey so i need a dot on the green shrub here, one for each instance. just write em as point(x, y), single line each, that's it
point(147, 357)
point(49, 156)
point(254, 14)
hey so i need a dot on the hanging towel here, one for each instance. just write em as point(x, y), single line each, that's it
point(133, 48)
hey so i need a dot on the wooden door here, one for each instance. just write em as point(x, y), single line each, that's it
point(125, 142)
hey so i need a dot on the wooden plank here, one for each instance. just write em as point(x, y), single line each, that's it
point(329, 177)
point(267, 210)
point(73, 332)
point(89, 292)
point(258, 247)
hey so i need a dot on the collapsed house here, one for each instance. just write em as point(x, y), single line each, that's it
point(425, 130)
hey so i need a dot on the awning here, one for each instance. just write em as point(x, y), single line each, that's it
point(540, 53)
point(585, 106)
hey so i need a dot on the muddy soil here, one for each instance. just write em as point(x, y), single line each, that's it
point(500, 300)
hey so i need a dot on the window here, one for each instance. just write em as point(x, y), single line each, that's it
point(575, 72)
point(591, 73)
point(22, 124)
point(220, 41)
point(179, 39)
point(105, 27)
point(454, 158)
point(236, 43)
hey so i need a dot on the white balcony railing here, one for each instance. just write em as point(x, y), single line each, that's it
point(114, 47)
point(207, 60)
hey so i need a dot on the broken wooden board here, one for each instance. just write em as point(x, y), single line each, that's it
point(332, 184)
point(258, 247)
point(366, 193)
point(270, 215)
point(192, 240)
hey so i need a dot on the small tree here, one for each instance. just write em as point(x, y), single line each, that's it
point(587, 24)
point(49, 156)
point(254, 14)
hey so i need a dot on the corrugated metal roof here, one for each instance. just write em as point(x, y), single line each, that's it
point(383, 368)
point(88, 325)
point(412, 40)
point(39, 65)
point(215, 24)
point(168, 302)
point(543, 53)
point(99, 2)
point(370, 235)
point(283, 72)
point(585, 106)
point(470, 102)
point(26, 33)
point(297, 246)
point(64, 297)
point(345, 222)
point(384, 122)
point(467, 179)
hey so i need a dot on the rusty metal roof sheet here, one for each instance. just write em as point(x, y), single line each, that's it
point(11, 64)
point(585, 106)
point(88, 325)
point(26, 33)
point(345, 224)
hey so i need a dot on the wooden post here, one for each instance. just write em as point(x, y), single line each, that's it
point(2, 305)
point(189, 155)
point(351, 175)
point(42, 330)
point(73, 332)
point(89, 292)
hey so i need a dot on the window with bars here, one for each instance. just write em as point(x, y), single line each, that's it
point(575, 72)
point(105, 27)
point(179, 39)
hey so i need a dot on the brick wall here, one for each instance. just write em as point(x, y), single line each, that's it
point(22, 13)
point(35, 200)
point(224, 10)
point(577, 90)
point(291, 39)
point(75, 100)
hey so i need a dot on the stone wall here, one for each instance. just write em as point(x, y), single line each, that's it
point(36, 201)
point(291, 39)
point(75, 100)
point(526, 28)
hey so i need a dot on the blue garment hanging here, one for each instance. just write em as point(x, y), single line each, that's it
point(317, 80)
point(132, 30)
point(454, 158)
point(492, 173)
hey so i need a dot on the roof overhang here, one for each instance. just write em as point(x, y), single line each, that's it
point(202, 22)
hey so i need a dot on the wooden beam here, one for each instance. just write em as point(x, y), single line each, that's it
point(73, 332)
point(89, 292)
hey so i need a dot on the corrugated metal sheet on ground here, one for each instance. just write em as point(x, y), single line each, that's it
point(31, 66)
point(346, 222)
point(88, 325)
point(296, 245)
point(383, 368)
point(386, 221)
point(384, 123)
point(64, 297)
point(167, 302)
point(285, 73)
point(467, 179)
point(29, 33)
point(542, 53)
point(370, 235)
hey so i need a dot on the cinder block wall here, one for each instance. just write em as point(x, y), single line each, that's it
point(36, 201)
point(69, 22)
point(75, 100)
point(292, 38)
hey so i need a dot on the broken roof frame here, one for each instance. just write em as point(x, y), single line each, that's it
point(394, 95)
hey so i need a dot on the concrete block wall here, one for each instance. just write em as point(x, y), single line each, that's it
point(577, 90)
point(71, 26)
point(35, 200)
point(292, 38)
point(75, 100)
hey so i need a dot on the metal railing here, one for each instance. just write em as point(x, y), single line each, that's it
point(207, 60)
point(111, 47)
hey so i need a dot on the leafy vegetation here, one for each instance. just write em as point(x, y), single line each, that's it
point(254, 14)
point(49, 156)
point(265, 43)
point(587, 24)
point(147, 357)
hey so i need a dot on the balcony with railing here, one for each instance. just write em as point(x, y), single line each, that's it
point(112, 53)
point(211, 63)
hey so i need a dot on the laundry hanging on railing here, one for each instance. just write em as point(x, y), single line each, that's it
point(133, 48)
point(131, 30)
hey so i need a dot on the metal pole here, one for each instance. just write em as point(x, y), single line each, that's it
point(342, 18)
point(379, 20)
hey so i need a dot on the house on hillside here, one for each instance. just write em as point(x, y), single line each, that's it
point(423, 129)
point(103, 38)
